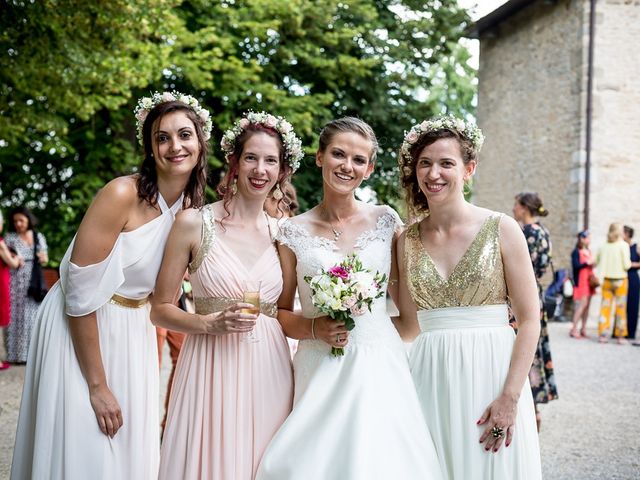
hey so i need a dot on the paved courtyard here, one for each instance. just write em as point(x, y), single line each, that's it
point(591, 432)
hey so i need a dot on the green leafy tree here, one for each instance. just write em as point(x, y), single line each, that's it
point(76, 70)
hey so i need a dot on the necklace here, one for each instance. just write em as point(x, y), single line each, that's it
point(336, 232)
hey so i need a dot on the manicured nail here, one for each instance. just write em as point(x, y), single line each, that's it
point(486, 449)
point(495, 450)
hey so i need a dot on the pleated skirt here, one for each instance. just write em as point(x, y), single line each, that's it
point(459, 364)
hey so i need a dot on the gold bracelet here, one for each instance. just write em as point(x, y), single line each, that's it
point(313, 334)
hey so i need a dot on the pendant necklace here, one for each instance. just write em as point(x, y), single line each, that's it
point(336, 232)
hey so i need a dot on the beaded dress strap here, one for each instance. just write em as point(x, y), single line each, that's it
point(208, 237)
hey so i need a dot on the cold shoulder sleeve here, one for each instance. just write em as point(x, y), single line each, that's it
point(89, 287)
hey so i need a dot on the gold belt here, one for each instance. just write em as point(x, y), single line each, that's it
point(128, 302)
point(206, 305)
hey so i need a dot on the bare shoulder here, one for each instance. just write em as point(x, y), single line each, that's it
point(119, 193)
point(305, 219)
point(509, 227)
point(189, 219)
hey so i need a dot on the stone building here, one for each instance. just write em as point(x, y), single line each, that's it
point(536, 70)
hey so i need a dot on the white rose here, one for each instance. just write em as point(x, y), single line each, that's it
point(424, 125)
point(168, 97)
point(204, 115)
point(460, 125)
point(321, 299)
point(147, 103)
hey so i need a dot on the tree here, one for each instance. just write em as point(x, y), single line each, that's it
point(391, 63)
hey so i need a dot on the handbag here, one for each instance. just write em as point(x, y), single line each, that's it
point(37, 286)
point(594, 281)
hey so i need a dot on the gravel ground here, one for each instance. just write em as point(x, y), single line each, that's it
point(590, 432)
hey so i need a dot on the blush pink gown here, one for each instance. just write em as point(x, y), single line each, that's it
point(229, 396)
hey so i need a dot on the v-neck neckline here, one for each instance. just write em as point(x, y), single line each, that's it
point(460, 260)
point(237, 257)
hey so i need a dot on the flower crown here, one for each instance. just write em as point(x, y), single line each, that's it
point(146, 104)
point(449, 122)
point(292, 144)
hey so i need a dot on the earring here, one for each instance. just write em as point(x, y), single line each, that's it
point(277, 193)
point(234, 186)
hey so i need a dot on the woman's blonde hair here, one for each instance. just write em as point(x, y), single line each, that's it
point(615, 232)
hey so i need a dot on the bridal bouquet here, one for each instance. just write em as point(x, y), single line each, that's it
point(345, 291)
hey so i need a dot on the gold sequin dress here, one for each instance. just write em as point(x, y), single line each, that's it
point(460, 361)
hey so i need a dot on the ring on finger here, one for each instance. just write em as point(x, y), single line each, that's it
point(338, 339)
point(497, 432)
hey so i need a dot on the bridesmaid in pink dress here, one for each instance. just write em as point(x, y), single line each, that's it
point(231, 392)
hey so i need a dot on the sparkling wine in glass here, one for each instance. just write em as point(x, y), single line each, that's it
point(251, 294)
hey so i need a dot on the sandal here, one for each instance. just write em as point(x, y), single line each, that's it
point(603, 339)
point(583, 333)
point(574, 334)
point(622, 341)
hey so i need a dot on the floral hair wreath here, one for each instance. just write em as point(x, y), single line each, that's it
point(292, 144)
point(449, 122)
point(146, 104)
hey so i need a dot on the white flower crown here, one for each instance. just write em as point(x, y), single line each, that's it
point(449, 122)
point(146, 104)
point(292, 144)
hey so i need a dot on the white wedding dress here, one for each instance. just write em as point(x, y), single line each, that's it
point(355, 417)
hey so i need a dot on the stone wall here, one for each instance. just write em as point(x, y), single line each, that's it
point(530, 107)
point(615, 184)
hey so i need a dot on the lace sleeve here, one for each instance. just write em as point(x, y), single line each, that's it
point(289, 235)
point(386, 225)
point(399, 224)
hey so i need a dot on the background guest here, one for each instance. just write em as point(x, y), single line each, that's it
point(526, 210)
point(8, 260)
point(23, 307)
point(583, 290)
point(634, 285)
point(613, 261)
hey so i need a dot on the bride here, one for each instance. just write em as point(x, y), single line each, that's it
point(356, 416)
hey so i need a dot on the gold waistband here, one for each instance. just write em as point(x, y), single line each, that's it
point(206, 305)
point(128, 302)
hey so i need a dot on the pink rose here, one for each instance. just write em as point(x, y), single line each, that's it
point(412, 137)
point(339, 272)
point(167, 97)
point(244, 123)
point(356, 310)
point(349, 301)
point(142, 115)
point(271, 121)
point(204, 114)
point(424, 125)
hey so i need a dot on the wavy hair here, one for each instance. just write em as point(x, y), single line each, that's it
point(416, 200)
point(147, 181)
point(224, 187)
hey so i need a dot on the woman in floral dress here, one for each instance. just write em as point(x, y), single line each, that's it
point(527, 208)
point(23, 307)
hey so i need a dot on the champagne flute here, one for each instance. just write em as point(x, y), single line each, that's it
point(251, 294)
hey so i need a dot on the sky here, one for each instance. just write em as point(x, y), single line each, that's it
point(478, 9)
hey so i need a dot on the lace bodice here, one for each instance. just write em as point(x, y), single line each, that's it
point(477, 279)
point(314, 253)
